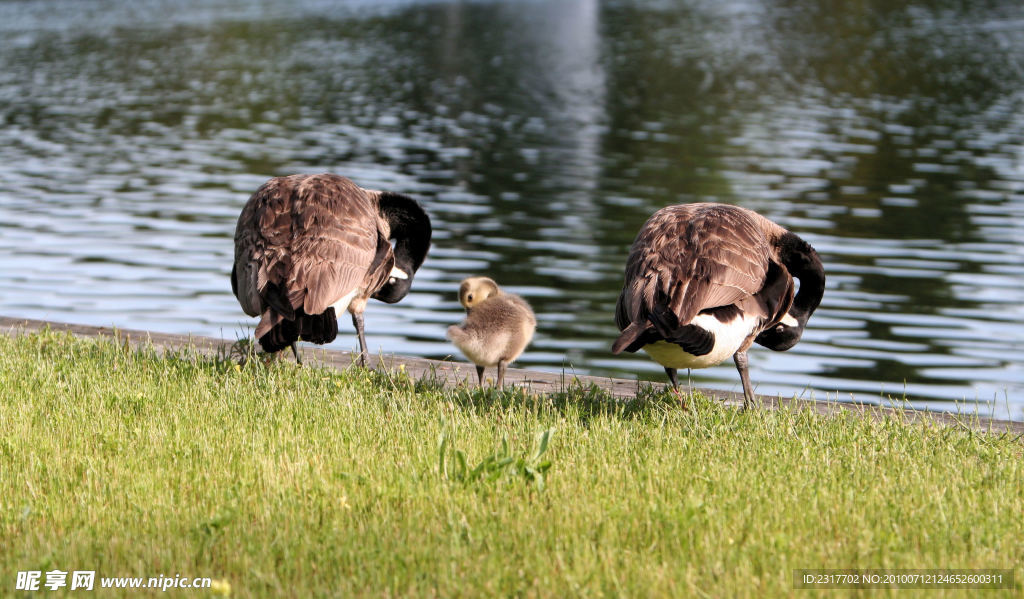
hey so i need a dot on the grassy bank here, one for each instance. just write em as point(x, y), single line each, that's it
point(302, 482)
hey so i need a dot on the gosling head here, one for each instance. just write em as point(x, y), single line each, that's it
point(474, 290)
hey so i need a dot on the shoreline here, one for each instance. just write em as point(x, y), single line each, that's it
point(452, 374)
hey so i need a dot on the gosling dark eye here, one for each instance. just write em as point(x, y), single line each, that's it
point(469, 297)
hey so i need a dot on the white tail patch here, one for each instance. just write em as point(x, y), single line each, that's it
point(729, 336)
point(342, 304)
point(398, 273)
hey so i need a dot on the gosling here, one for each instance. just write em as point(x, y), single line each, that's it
point(497, 328)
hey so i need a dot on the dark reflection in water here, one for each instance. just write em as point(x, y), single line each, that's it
point(540, 136)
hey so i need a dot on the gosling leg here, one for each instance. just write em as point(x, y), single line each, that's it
point(502, 364)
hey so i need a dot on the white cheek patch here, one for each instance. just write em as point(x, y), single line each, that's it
point(398, 273)
point(789, 321)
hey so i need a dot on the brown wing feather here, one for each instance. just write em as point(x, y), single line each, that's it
point(312, 236)
point(693, 257)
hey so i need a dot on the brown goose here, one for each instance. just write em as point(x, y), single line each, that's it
point(705, 281)
point(497, 329)
point(308, 247)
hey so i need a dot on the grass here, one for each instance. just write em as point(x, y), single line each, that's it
point(291, 482)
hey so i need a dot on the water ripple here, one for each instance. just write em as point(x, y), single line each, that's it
point(539, 136)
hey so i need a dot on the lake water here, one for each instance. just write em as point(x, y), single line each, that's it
point(539, 136)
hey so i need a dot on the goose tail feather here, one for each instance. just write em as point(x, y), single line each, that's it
point(316, 328)
point(631, 338)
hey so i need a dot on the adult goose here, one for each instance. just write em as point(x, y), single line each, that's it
point(705, 281)
point(308, 247)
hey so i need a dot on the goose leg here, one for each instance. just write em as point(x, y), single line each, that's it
point(357, 321)
point(502, 364)
point(295, 351)
point(741, 365)
point(480, 376)
point(672, 376)
point(671, 372)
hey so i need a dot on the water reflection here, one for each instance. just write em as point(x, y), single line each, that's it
point(540, 135)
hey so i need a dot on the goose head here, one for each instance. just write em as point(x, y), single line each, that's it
point(785, 333)
point(410, 232)
point(803, 263)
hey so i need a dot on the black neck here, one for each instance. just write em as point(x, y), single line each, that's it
point(410, 228)
point(803, 263)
